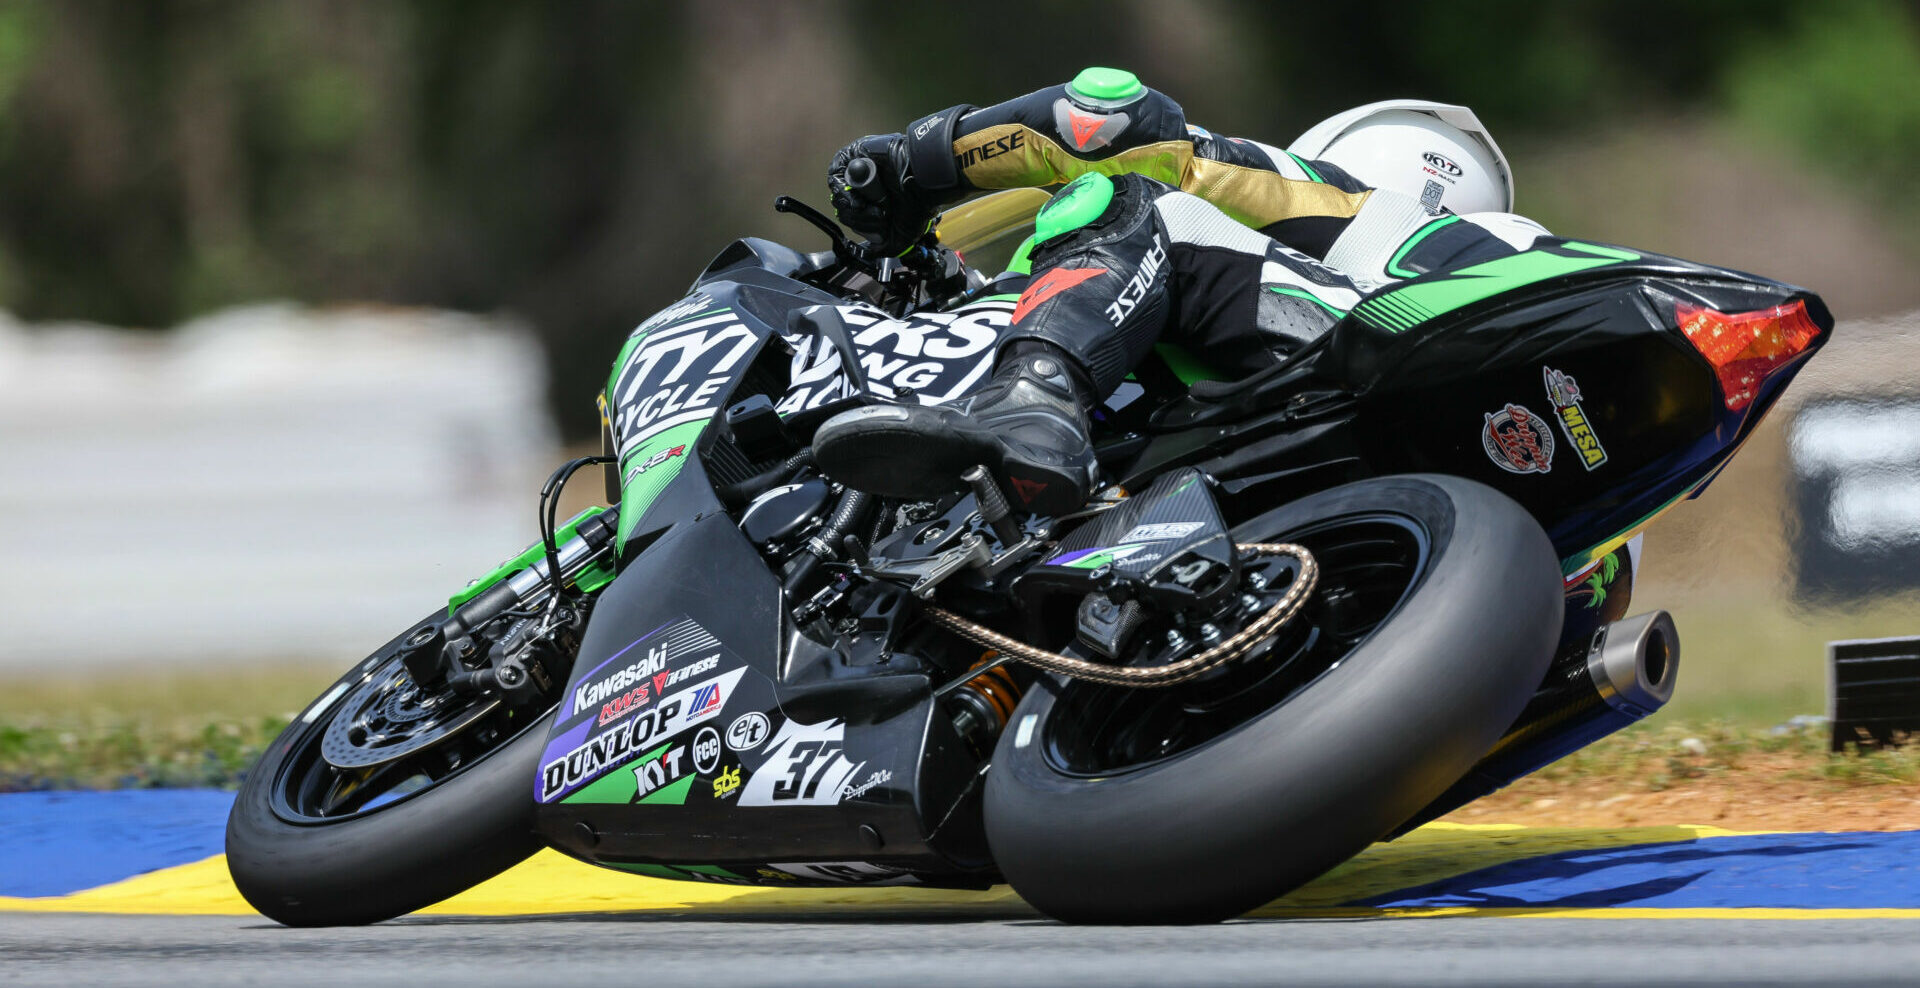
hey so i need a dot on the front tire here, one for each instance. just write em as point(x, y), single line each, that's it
point(306, 853)
point(1438, 609)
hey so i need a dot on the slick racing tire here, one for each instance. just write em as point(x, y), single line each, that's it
point(452, 815)
point(1436, 614)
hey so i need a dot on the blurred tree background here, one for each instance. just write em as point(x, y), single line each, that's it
point(576, 162)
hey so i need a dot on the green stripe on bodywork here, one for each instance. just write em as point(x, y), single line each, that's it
point(671, 794)
point(1094, 561)
point(590, 579)
point(617, 786)
point(1433, 295)
point(1022, 260)
point(1393, 266)
point(1185, 366)
point(1302, 162)
point(638, 493)
point(1309, 296)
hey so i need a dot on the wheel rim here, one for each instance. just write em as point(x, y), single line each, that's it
point(1369, 565)
point(386, 741)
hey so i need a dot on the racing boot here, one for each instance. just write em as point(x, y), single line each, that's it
point(1028, 425)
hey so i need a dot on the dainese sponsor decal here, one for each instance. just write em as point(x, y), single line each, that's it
point(1441, 163)
point(1564, 393)
point(1517, 440)
point(672, 716)
point(806, 766)
point(1048, 285)
point(726, 783)
point(1137, 286)
point(992, 149)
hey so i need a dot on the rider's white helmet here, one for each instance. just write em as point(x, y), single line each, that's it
point(1437, 153)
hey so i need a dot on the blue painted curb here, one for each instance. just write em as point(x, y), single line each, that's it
point(1783, 871)
point(55, 843)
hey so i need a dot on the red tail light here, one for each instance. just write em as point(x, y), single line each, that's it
point(1744, 347)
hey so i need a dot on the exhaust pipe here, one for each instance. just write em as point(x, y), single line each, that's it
point(1594, 687)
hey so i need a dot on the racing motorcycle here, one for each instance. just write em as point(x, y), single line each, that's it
point(1311, 609)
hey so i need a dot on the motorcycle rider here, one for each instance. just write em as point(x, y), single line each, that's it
point(1163, 231)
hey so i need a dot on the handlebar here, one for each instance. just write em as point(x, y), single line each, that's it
point(926, 265)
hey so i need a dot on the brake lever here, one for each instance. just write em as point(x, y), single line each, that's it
point(843, 247)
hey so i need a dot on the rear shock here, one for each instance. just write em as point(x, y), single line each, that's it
point(982, 705)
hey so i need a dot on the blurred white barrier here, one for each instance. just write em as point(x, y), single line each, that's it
point(267, 482)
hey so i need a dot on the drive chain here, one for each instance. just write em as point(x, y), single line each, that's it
point(1172, 673)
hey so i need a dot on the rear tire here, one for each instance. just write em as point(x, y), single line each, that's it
point(1238, 818)
point(385, 860)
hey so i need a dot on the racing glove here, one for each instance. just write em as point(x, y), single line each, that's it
point(871, 183)
point(889, 186)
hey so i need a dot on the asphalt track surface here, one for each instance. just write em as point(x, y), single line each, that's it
point(901, 947)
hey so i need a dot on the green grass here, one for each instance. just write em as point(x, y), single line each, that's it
point(1655, 755)
point(134, 729)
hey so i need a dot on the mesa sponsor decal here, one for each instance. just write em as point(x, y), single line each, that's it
point(1517, 440)
point(672, 716)
point(1137, 286)
point(1564, 393)
point(806, 766)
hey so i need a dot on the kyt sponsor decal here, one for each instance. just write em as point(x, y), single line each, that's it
point(1564, 393)
point(1441, 163)
point(655, 774)
point(672, 716)
point(806, 766)
point(748, 730)
point(706, 751)
point(1517, 440)
point(726, 783)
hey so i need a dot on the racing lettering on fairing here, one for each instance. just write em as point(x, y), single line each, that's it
point(677, 375)
point(806, 766)
point(672, 716)
point(939, 356)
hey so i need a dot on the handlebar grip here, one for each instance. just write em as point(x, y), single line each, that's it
point(861, 172)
